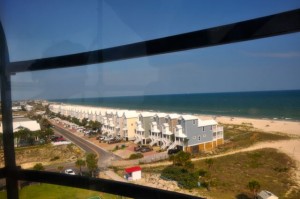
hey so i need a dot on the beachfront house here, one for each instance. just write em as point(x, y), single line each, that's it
point(111, 127)
point(156, 128)
point(184, 131)
point(139, 133)
point(129, 124)
point(105, 128)
point(143, 130)
point(120, 124)
point(98, 115)
point(194, 135)
point(168, 129)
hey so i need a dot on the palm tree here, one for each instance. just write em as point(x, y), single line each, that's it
point(254, 186)
point(80, 163)
point(91, 163)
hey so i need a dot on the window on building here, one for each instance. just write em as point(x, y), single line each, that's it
point(199, 137)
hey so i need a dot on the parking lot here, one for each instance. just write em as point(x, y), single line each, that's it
point(120, 148)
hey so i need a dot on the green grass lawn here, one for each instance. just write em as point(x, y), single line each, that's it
point(48, 191)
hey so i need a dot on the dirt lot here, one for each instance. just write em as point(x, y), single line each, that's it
point(46, 154)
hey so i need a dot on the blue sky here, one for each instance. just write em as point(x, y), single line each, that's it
point(38, 29)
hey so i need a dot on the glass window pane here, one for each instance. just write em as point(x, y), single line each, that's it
point(250, 89)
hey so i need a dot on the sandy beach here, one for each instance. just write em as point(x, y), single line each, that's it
point(267, 125)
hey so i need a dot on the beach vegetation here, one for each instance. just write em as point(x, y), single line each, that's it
point(60, 169)
point(229, 175)
point(242, 136)
point(182, 171)
point(54, 158)
point(39, 167)
point(45, 153)
point(92, 163)
point(135, 156)
point(181, 159)
point(254, 187)
point(80, 163)
point(84, 121)
point(185, 178)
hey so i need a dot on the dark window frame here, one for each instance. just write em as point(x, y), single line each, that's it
point(273, 25)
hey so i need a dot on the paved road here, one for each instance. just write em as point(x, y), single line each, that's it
point(105, 157)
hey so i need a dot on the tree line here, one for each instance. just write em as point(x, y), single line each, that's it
point(85, 122)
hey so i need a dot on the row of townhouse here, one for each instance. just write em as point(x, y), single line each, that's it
point(165, 130)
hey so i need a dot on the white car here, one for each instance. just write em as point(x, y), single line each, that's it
point(70, 172)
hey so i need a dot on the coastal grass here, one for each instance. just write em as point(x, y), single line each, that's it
point(45, 153)
point(229, 175)
point(244, 135)
point(48, 191)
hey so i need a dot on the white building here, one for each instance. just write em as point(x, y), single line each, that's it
point(16, 108)
point(19, 123)
point(133, 173)
point(28, 107)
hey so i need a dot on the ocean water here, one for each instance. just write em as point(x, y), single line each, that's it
point(267, 104)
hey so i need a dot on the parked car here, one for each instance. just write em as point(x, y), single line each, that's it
point(70, 171)
point(61, 139)
point(145, 149)
point(114, 140)
point(137, 148)
point(99, 137)
point(57, 139)
point(173, 151)
point(108, 139)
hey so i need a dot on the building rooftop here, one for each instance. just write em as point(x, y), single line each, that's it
point(147, 114)
point(130, 114)
point(161, 115)
point(206, 122)
point(173, 115)
point(188, 117)
point(133, 169)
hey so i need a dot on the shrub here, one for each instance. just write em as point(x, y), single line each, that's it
point(55, 158)
point(185, 178)
point(135, 156)
point(38, 167)
point(202, 172)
